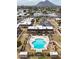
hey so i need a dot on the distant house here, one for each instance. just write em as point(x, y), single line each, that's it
point(26, 22)
point(38, 14)
point(47, 15)
point(22, 12)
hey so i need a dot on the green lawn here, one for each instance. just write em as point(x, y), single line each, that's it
point(42, 57)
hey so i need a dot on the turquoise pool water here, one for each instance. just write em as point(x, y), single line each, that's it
point(39, 43)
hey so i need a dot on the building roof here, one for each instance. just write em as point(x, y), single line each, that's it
point(49, 14)
point(23, 53)
point(58, 18)
point(53, 53)
point(49, 27)
point(40, 27)
point(26, 21)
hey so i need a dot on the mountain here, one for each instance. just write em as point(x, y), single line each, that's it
point(46, 4)
point(40, 4)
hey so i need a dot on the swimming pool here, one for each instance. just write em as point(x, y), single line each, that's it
point(39, 43)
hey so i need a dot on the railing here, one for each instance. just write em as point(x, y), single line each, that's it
point(58, 48)
point(20, 35)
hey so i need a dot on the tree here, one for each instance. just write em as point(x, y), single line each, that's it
point(19, 43)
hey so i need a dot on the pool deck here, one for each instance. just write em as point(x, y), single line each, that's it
point(28, 48)
point(35, 37)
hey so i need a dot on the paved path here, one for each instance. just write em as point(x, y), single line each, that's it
point(57, 35)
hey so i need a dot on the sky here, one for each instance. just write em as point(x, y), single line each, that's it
point(34, 2)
